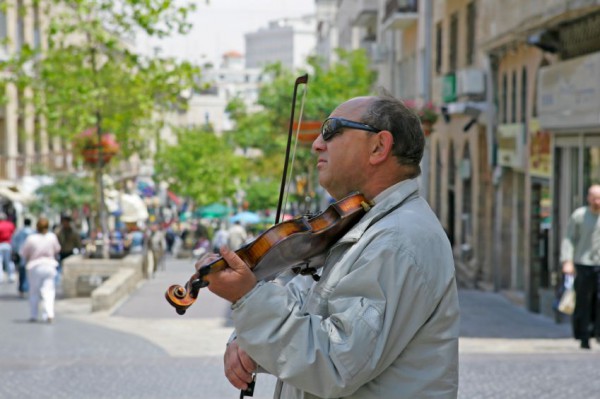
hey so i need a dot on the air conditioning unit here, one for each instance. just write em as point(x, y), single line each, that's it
point(470, 83)
point(377, 52)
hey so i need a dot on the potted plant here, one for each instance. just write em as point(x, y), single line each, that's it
point(90, 146)
point(427, 113)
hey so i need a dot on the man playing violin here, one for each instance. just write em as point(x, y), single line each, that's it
point(383, 319)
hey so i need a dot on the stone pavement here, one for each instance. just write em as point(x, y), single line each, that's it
point(143, 349)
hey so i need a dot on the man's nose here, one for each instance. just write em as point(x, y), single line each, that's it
point(318, 144)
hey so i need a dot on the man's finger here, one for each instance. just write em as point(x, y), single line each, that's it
point(205, 260)
point(235, 380)
point(234, 370)
point(246, 361)
point(233, 260)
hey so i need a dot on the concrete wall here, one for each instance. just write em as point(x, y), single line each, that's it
point(106, 281)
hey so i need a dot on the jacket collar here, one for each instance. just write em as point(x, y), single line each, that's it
point(385, 202)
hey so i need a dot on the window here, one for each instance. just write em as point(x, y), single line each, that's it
point(453, 42)
point(524, 95)
point(37, 40)
point(504, 98)
point(513, 99)
point(438, 48)
point(471, 15)
point(2, 25)
point(20, 25)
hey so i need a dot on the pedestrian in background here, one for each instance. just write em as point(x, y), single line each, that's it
point(237, 236)
point(158, 246)
point(39, 251)
point(7, 228)
point(220, 238)
point(380, 319)
point(580, 256)
point(17, 243)
point(69, 240)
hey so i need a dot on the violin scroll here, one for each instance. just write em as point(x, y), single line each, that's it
point(181, 297)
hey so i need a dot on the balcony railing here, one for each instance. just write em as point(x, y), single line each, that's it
point(365, 13)
point(400, 13)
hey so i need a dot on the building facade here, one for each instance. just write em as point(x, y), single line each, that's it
point(517, 142)
point(289, 41)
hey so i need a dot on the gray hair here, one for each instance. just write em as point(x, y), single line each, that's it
point(389, 113)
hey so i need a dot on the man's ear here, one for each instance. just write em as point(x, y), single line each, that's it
point(381, 146)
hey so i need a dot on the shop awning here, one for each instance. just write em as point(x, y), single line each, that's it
point(133, 208)
point(14, 194)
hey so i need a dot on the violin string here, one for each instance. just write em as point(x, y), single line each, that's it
point(287, 185)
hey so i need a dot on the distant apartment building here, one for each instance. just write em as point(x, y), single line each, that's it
point(24, 143)
point(206, 107)
point(23, 139)
point(288, 40)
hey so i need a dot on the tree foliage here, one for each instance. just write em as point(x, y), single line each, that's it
point(89, 74)
point(68, 192)
point(201, 166)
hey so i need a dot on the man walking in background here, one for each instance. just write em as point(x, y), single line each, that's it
point(69, 239)
point(580, 255)
point(17, 243)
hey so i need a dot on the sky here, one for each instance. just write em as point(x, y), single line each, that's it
point(220, 25)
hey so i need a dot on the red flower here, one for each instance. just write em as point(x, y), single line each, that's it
point(89, 146)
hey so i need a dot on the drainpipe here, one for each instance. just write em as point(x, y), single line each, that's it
point(491, 73)
point(428, 21)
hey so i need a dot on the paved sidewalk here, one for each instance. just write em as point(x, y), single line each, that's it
point(143, 349)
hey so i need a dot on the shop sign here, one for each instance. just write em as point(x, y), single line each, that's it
point(449, 88)
point(511, 145)
point(540, 155)
point(569, 94)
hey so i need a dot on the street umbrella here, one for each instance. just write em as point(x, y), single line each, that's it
point(214, 210)
point(245, 217)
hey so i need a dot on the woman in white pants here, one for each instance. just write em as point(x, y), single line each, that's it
point(40, 251)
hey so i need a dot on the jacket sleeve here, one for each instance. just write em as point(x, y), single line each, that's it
point(567, 248)
point(373, 313)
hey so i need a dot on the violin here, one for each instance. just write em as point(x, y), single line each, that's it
point(299, 244)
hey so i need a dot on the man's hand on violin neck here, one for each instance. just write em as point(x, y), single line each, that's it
point(233, 282)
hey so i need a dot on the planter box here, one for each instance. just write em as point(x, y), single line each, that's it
point(81, 276)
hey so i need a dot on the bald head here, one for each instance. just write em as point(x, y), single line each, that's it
point(593, 198)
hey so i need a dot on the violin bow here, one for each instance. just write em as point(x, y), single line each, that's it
point(299, 80)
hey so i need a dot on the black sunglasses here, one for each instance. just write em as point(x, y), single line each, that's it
point(332, 126)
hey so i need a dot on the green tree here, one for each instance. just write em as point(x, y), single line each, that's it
point(88, 77)
point(66, 193)
point(200, 166)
